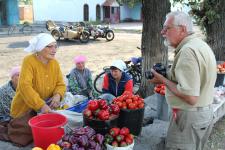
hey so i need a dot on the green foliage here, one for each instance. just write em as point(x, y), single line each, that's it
point(130, 3)
point(25, 2)
point(205, 12)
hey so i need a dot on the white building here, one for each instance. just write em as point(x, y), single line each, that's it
point(68, 10)
point(76, 10)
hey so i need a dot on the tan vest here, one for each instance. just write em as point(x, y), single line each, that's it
point(194, 71)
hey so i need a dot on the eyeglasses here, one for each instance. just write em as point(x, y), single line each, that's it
point(166, 28)
point(52, 46)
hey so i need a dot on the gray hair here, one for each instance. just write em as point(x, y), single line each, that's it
point(181, 18)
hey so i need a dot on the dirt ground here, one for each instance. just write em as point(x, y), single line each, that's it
point(99, 53)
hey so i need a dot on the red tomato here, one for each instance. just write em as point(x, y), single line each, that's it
point(142, 105)
point(124, 107)
point(128, 101)
point(131, 106)
point(120, 104)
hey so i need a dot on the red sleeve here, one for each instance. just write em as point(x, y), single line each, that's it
point(105, 82)
point(129, 86)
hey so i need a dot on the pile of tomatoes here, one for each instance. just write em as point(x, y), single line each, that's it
point(160, 89)
point(129, 101)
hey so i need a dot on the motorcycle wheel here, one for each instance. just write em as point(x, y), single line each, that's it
point(84, 37)
point(55, 34)
point(109, 36)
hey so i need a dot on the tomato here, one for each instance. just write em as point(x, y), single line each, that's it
point(131, 106)
point(141, 105)
point(162, 92)
point(128, 101)
point(124, 107)
point(120, 104)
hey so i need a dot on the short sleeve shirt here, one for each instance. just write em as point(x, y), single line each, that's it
point(194, 71)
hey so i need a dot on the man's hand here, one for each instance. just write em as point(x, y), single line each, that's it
point(158, 78)
point(55, 101)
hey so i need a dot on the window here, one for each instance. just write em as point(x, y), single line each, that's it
point(86, 12)
point(112, 10)
point(98, 13)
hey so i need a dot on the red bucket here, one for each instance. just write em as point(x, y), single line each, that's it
point(47, 129)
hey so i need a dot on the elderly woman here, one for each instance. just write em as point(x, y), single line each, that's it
point(7, 91)
point(40, 87)
point(80, 79)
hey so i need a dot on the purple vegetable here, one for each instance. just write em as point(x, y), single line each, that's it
point(99, 138)
point(98, 147)
point(81, 148)
point(66, 137)
point(90, 132)
point(83, 140)
point(75, 147)
point(73, 139)
point(79, 131)
point(92, 144)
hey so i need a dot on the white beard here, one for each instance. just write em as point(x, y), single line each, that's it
point(168, 44)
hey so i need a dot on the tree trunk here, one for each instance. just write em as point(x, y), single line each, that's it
point(215, 33)
point(153, 49)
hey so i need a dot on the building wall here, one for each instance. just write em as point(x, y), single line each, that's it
point(26, 13)
point(64, 10)
point(12, 11)
point(130, 13)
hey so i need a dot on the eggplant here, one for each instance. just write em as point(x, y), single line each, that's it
point(98, 147)
point(92, 144)
point(75, 147)
point(79, 131)
point(89, 131)
point(83, 140)
point(99, 138)
point(66, 137)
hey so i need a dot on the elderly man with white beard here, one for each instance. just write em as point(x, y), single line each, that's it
point(189, 85)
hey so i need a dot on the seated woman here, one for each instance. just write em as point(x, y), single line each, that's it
point(7, 91)
point(116, 82)
point(80, 79)
point(40, 80)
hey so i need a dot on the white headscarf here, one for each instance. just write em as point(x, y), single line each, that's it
point(39, 42)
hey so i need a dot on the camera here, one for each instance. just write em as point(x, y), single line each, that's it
point(159, 68)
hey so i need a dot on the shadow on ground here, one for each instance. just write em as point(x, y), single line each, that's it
point(18, 44)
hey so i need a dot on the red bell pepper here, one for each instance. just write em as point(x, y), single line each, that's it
point(103, 115)
point(124, 131)
point(93, 105)
point(115, 109)
point(114, 132)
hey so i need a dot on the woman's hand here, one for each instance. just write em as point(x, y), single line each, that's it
point(55, 101)
point(45, 109)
